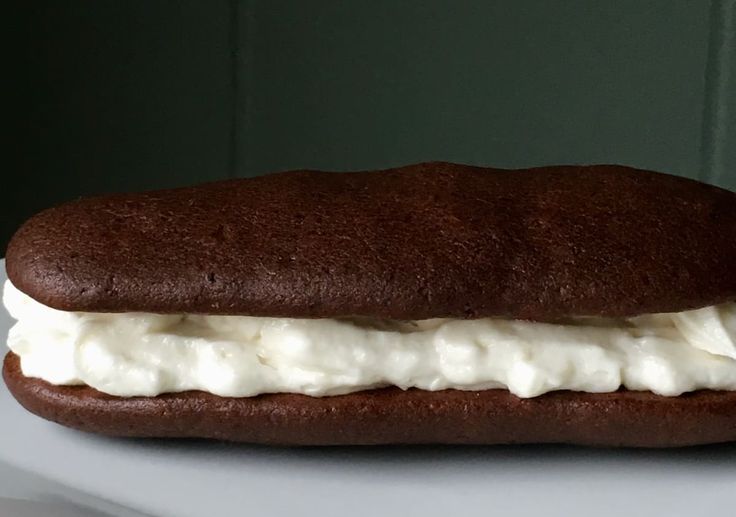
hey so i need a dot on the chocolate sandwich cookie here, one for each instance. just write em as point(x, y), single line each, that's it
point(433, 240)
point(390, 416)
point(433, 303)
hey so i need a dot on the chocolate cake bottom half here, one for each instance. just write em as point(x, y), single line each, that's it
point(390, 416)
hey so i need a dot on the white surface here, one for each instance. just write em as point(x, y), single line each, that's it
point(181, 479)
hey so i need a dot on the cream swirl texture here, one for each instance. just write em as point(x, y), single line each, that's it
point(141, 354)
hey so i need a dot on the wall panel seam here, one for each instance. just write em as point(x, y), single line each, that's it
point(233, 42)
point(244, 40)
point(719, 91)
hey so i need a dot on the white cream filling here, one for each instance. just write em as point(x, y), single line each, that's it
point(128, 354)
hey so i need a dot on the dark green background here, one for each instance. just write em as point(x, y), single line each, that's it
point(127, 95)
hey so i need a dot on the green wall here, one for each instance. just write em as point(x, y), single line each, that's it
point(151, 93)
point(361, 84)
point(117, 95)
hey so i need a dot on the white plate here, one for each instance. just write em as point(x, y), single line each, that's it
point(182, 479)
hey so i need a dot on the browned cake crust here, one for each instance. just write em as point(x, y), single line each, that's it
point(427, 240)
point(390, 416)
